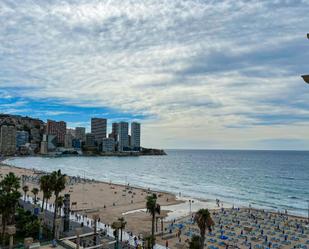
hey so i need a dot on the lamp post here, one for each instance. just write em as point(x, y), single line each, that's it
point(190, 205)
point(95, 218)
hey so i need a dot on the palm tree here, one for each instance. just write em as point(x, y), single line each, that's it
point(45, 186)
point(153, 208)
point(9, 196)
point(123, 224)
point(25, 189)
point(35, 192)
point(116, 226)
point(48, 195)
point(60, 204)
point(58, 181)
point(195, 242)
point(204, 221)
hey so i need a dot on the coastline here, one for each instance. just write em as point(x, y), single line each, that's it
point(174, 211)
point(209, 202)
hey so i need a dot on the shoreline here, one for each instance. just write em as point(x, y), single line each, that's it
point(180, 199)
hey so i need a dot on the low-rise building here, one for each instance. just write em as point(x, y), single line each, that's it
point(22, 137)
point(76, 144)
point(108, 145)
point(90, 140)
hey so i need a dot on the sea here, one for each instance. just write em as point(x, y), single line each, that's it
point(274, 180)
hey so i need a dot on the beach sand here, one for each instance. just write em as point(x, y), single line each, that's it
point(120, 200)
point(108, 200)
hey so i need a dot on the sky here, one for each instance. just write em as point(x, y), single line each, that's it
point(198, 74)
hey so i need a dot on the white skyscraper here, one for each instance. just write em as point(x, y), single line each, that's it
point(135, 136)
point(123, 136)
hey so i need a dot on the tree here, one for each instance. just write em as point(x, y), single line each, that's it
point(60, 204)
point(123, 224)
point(195, 242)
point(27, 224)
point(204, 221)
point(35, 192)
point(9, 196)
point(58, 181)
point(45, 187)
point(116, 226)
point(48, 195)
point(153, 208)
point(25, 189)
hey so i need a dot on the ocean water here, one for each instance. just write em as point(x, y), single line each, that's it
point(276, 180)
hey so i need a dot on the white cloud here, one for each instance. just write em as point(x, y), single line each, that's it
point(193, 67)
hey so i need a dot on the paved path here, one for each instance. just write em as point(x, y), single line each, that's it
point(88, 223)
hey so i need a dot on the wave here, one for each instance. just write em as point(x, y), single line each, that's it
point(287, 177)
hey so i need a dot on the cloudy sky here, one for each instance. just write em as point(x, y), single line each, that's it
point(196, 73)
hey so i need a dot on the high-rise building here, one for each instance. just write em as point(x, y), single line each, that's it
point(115, 130)
point(123, 136)
point(80, 133)
point(98, 129)
point(68, 140)
point(7, 140)
point(135, 136)
point(58, 129)
point(71, 132)
point(22, 137)
point(108, 145)
point(90, 140)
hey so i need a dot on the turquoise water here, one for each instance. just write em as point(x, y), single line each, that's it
point(267, 179)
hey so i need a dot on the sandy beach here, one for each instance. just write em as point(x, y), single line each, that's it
point(237, 228)
point(108, 200)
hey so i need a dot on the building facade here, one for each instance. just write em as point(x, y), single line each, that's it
point(98, 129)
point(68, 140)
point(135, 136)
point(123, 136)
point(115, 131)
point(22, 137)
point(77, 144)
point(58, 129)
point(90, 140)
point(80, 133)
point(7, 140)
point(108, 145)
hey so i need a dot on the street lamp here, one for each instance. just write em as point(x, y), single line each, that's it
point(190, 203)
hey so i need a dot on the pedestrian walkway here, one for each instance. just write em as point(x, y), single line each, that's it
point(88, 224)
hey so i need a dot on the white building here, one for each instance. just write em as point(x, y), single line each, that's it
point(135, 136)
point(108, 145)
point(98, 129)
point(123, 136)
